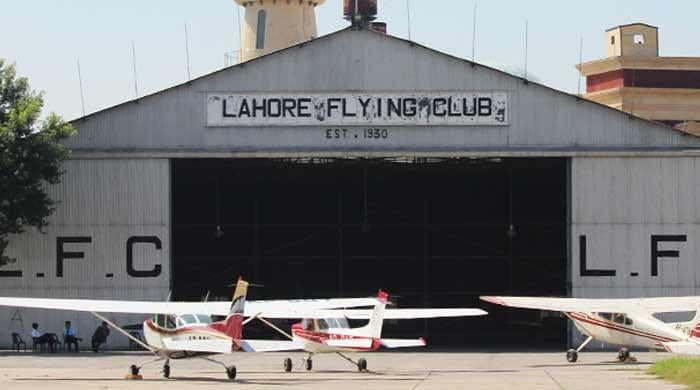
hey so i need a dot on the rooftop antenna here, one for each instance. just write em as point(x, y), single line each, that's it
point(187, 52)
point(80, 81)
point(240, 29)
point(526, 42)
point(408, 13)
point(580, 62)
point(136, 82)
point(474, 33)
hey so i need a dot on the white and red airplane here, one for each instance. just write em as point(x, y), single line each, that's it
point(650, 323)
point(175, 332)
point(328, 331)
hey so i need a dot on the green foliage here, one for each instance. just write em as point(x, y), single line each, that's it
point(685, 371)
point(30, 156)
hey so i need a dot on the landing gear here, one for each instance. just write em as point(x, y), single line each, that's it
point(572, 354)
point(309, 364)
point(231, 372)
point(623, 355)
point(362, 365)
point(134, 370)
point(287, 365)
point(166, 369)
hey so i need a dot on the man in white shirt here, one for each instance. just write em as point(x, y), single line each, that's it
point(69, 337)
point(40, 338)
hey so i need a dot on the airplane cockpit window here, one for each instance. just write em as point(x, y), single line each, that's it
point(188, 319)
point(322, 324)
point(306, 324)
point(621, 319)
point(164, 321)
point(343, 323)
point(203, 319)
point(606, 316)
point(180, 322)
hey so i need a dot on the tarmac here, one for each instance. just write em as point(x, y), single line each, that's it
point(405, 371)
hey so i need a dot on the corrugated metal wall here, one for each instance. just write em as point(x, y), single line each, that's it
point(106, 202)
point(632, 213)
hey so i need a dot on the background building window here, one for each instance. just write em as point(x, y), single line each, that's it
point(260, 41)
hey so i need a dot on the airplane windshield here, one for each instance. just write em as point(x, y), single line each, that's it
point(164, 321)
point(203, 319)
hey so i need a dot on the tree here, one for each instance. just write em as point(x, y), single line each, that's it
point(30, 157)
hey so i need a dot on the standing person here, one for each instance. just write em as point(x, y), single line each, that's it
point(100, 336)
point(40, 338)
point(70, 338)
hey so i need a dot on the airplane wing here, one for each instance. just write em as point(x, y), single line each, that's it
point(132, 307)
point(276, 309)
point(212, 345)
point(270, 346)
point(400, 314)
point(402, 343)
point(300, 309)
point(629, 305)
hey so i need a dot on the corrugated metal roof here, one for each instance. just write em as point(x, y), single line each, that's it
point(365, 61)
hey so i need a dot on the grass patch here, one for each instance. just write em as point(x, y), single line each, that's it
point(683, 371)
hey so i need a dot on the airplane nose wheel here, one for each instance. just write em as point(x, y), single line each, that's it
point(623, 355)
point(362, 364)
point(231, 372)
point(287, 365)
point(309, 365)
point(571, 356)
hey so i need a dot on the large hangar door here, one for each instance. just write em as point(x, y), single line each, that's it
point(436, 232)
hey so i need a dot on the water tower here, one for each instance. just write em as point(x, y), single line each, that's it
point(271, 25)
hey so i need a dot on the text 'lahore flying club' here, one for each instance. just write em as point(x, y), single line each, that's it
point(461, 108)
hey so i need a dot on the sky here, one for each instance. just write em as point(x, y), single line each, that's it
point(47, 38)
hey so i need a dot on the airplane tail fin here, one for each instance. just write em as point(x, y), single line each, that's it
point(376, 320)
point(233, 325)
point(238, 301)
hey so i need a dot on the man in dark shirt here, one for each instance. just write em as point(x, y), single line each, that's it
point(100, 336)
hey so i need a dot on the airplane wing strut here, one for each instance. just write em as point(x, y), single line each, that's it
point(125, 333)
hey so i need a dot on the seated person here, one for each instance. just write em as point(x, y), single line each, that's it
point(69, 337)
point(100, 336)
point(40, 338)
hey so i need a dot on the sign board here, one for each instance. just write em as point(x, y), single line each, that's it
point(378, 109)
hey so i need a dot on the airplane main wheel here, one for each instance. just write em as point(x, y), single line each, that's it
point(166, 371)
point(309, 364)
point(571, 356)
point(287, 365)
point(623, 354)
point(231, 372)
point(362, 364)
point(134, 370)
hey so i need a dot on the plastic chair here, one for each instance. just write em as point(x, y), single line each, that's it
point(17, 341)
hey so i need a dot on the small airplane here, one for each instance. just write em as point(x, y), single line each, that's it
point(627, 323)
point(174, 332)
point(328, 331)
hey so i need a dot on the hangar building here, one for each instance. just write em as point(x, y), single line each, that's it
point(358, 161)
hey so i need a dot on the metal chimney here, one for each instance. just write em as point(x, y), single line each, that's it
point(360, 12)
